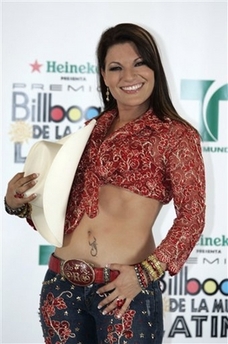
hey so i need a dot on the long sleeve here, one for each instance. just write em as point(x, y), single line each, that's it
point(185, 169)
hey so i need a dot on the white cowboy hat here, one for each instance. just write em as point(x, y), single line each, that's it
point(56, 163)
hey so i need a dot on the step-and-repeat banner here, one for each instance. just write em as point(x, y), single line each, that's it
point(50, 89)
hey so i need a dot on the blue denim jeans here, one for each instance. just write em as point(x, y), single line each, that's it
point(69, 314)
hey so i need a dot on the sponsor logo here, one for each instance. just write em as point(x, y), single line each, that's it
point(36, 66)
point(64, 68)
point(38, 113)
point(209, 97)
point(181, 284)
point(213, 241)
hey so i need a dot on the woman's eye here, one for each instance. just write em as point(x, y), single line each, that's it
point(114, 68)
point(139, 63)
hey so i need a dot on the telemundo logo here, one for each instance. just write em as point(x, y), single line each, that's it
point(209, 98)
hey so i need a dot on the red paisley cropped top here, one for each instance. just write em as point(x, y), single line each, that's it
point(155, 159)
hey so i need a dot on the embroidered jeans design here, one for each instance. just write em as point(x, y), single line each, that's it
point(69, 315)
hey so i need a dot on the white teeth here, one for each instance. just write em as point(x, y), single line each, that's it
point(132, 88)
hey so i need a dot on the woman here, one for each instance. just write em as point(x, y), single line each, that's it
point(102, 286)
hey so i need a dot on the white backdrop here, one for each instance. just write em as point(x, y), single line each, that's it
point(43, 99)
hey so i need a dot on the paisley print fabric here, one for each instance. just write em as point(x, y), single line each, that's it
point(152, 158)
point(155, 159)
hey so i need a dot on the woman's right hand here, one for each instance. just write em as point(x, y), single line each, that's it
point(17, 187)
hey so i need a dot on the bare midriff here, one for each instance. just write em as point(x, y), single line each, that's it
point(120, 233)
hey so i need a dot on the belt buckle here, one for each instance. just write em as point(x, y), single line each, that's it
point(78, 272)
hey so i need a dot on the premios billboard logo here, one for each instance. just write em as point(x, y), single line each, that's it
point(197, 304)
point(39, 109)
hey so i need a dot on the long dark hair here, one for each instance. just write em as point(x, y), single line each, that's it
point(160, 99)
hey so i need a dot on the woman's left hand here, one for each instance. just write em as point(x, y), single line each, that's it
point(123, 289)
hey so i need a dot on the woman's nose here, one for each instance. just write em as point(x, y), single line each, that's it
point(128, 74)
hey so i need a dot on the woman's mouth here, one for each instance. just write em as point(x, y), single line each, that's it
point(132, 88)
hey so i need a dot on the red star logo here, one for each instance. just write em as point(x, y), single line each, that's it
point(35, 66)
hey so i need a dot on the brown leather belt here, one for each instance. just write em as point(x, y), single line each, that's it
point(81, 273)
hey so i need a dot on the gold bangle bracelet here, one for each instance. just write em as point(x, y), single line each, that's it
point(156, 264)
point(150, 271)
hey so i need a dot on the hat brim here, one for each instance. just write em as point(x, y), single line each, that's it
point(49, 208)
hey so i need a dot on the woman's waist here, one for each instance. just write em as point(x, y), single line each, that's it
point(101, 249)
point(103, 257)
point(105, 239)
point(80, 272)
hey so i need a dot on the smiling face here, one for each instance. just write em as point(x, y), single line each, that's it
point(129, 79)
